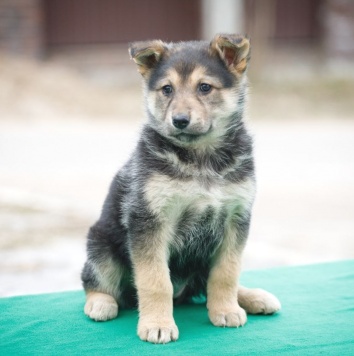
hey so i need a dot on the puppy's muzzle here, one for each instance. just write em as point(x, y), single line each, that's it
point(180, 121)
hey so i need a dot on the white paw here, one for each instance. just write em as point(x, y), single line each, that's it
point(230, 318)
point(100, 306)
point(258, 301)
point(157, 332)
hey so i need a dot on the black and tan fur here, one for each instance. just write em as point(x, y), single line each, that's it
point(177, 215)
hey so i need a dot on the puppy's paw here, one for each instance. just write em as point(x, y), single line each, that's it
point(100, 306)
point(230, 318)
point(258, 301)
point(157, 331)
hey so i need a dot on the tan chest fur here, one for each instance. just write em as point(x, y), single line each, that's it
point(168, 198)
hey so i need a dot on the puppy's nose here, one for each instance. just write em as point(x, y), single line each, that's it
point(180, 121)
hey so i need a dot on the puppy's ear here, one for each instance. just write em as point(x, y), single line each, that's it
point(146, 54)
point(234, 50)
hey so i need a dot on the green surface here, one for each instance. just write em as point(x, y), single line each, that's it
point(317, 317)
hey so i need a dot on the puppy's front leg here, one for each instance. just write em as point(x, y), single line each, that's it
point(155, 292)
point(222, 287)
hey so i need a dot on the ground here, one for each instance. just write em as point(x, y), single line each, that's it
point(63, 137)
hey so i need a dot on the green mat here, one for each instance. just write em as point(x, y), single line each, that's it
point(317, 317)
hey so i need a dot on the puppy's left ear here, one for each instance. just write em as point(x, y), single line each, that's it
point(234, 50)
point(146, 54)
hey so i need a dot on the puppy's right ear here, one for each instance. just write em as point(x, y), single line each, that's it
point(146, 54)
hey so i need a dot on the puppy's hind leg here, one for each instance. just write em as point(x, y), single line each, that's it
point(100, 306)
point(257, 301)
point(101, 283)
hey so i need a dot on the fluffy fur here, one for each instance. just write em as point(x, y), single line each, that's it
point(177, 215)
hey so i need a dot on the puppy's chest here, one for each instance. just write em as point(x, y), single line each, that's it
point(190, 202)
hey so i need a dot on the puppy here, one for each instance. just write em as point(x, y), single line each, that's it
point(177, 215)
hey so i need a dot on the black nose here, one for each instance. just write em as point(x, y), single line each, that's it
point(180, 121)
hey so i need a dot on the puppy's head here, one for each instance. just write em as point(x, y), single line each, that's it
point(193, 90)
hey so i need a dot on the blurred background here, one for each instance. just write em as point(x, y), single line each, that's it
point(71, 108)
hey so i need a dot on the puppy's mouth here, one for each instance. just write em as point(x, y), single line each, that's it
point(189, 134)
point(186, 137)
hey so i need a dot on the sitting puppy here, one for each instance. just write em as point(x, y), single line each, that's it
point(177, 215)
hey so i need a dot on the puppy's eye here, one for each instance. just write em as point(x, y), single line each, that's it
point(205, 88)
point(167, 90)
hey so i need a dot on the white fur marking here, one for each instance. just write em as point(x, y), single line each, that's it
point(168, 197)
